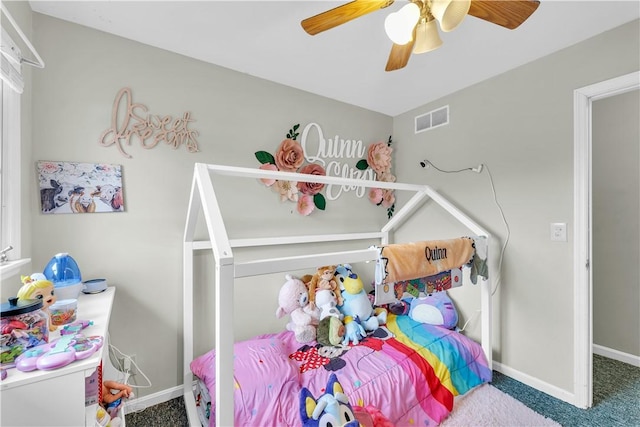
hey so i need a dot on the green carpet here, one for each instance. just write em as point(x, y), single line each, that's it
point(616, 397)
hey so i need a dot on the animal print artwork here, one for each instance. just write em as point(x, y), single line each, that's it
point(67, 187)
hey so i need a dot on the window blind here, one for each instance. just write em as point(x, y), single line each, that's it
point(10, 59)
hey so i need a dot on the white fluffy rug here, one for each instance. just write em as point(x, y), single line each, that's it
point(488, 406)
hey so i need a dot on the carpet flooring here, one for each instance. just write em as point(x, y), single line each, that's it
point(616, 397)
point(616, 401)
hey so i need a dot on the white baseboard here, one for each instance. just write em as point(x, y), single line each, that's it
point(141, 403)
point(542, 386)
point(616, 355)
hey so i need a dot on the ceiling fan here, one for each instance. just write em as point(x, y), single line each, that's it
point(414, 29)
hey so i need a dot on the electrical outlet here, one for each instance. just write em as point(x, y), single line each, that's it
point(132, 364)
point(126, 364)
point(558, 232)
point(120, 364)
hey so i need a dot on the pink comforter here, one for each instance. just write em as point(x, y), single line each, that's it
point(411, 378)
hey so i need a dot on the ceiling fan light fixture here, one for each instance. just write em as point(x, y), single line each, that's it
point(450, 13)
point(399, 25)
point(427, 37)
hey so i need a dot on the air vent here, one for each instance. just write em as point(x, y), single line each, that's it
point(432, 119)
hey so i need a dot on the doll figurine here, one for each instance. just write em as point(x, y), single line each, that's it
point(112, 394)
point(37, 286)
point(108, 396)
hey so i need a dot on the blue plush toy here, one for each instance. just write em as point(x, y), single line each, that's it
point(434, 309)
point(330, 409)
point(356, 302)
point(354, 331)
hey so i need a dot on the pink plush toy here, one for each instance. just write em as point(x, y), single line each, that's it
point(293, 300)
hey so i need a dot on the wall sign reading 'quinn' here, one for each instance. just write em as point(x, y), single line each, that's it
point(317, 155)
point(332, 154)
point(150, 129)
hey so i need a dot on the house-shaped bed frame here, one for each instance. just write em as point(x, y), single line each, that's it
point(203, 199)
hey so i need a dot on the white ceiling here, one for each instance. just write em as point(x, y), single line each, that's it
point(264, 39)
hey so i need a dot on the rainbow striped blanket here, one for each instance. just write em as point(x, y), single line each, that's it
point(411, 375)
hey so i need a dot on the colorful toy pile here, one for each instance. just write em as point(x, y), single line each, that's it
point(24, 325)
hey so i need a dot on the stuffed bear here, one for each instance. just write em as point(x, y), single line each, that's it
point(323, 279)
point(293, 299)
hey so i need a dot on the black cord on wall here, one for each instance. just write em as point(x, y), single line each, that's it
point(481, 167)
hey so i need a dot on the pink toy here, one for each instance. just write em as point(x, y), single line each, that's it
point(293, 299)
point(58, 353)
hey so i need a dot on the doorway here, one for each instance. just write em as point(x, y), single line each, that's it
point(582, 248)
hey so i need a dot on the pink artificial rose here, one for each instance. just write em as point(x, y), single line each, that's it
point(388, 198)
point(289, 156)
point(386, 176)
point(305, 205)
point(287, 190)
point(375, 195)
point(311, 188)
point(268, 167)
point(379, 157)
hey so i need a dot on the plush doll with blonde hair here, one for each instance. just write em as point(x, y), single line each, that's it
point(37, 286)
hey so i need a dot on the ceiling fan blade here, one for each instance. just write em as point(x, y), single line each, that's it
point(399, 56)
point(509, 14)
point(341, 14)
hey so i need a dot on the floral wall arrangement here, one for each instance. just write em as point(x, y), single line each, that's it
point(328, 159)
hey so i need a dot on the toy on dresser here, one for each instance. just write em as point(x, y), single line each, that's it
point(75, 327)
point(24, 326)
point(58, 353)
point(37, 286)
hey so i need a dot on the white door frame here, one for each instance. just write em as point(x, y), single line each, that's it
point(582, 250)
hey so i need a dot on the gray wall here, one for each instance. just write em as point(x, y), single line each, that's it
point(520, 124)
point(616, 222)
point(140, 250)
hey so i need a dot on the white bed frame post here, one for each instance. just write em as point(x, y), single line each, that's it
point(202, 190)
point(486, 320)
point(485, 285)
point(203, 198)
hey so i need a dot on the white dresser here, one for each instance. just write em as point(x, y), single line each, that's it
point(57, 397)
